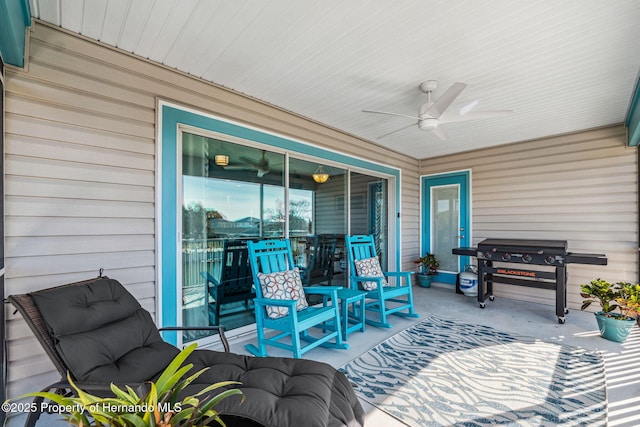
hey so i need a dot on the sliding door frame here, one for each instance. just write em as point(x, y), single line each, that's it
point(172, 120)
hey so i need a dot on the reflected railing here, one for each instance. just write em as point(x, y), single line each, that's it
point(198, 255)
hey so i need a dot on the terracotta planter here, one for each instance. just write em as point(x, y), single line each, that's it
point(614, 329)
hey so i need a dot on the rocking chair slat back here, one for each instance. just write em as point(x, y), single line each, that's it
point(320, 268)
point(273, 256)
point(236, 277)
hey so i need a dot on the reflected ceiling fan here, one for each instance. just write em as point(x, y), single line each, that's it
point(261, 165)
point(432, 114)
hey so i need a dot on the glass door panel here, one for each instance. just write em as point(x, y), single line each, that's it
point(317, 210)
point(369, 206)
point(230, 193)
point(446, 219)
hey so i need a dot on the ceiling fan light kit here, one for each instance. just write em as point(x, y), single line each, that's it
point(221, 160)
point(432, 114)
point(429, 123)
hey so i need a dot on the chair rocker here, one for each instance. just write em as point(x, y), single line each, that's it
point(274, 258)
point(320, 268)
point(96, 331)
point(361, 248)
point(236, 280)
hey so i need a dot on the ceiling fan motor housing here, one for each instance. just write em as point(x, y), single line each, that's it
point(428, 86)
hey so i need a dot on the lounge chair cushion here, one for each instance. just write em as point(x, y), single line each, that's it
point(102, 333)
point(287, 391)
point(283, 285)
point(369, 267)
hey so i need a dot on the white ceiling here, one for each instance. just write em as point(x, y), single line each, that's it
point(562, 66)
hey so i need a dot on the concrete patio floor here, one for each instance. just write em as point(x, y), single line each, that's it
point(622, 361)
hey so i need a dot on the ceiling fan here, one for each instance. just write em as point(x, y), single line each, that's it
point(261, 165)
point(432, 114)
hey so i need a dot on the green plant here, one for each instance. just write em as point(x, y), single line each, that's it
point(628, 299)
point(428, 263)
point(161, 406)
point(621, 296)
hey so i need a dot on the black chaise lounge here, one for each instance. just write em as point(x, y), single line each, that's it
point(97, 331)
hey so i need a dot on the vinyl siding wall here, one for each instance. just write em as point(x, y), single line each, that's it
point(580, 187)
point(80, 172)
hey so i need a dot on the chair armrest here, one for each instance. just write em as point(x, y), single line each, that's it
point(398, 273)
point(366, 278)
point(278, 302)
point(220, 329)
point(209, 278)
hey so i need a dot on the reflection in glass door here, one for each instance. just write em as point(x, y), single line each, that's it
point(317, 221)
point(230, 194)
point(368, 211)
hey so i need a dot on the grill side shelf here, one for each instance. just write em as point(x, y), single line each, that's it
point(465, 251)
point(593, 259)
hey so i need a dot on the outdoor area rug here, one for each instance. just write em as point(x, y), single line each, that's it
point(442, 372)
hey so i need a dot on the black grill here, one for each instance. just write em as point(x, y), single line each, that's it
point(526, 252)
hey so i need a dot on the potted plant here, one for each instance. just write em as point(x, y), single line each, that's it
point(160, 405)
point(428, 267)
point(611, 297)
point(629, 300)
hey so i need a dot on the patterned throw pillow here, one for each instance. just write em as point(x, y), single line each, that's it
point(285, 285)
point(369, 267)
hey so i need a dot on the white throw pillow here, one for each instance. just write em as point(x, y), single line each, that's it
point(284, 285)
point(369, 267)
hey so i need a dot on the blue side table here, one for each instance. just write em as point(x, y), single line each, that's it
point(352, 318)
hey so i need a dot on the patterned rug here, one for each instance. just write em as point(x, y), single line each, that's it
point(441, 372)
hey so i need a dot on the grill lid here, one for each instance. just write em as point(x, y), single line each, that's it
point(522, 244)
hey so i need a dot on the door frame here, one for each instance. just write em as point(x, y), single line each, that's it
point(426, 222)
point(172, 119)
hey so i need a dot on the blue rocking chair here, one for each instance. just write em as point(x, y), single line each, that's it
point(365, 273)
point(273, 257)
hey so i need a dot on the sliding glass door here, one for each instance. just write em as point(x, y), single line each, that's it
point(231, 192)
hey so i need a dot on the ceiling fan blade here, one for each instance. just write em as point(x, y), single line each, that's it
point(390, 114)
point(395, 131)
point(248, 161)
point(470, 106)
point(443, 102)
point(450, 117)
point(239, 168)
point(441, 133)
